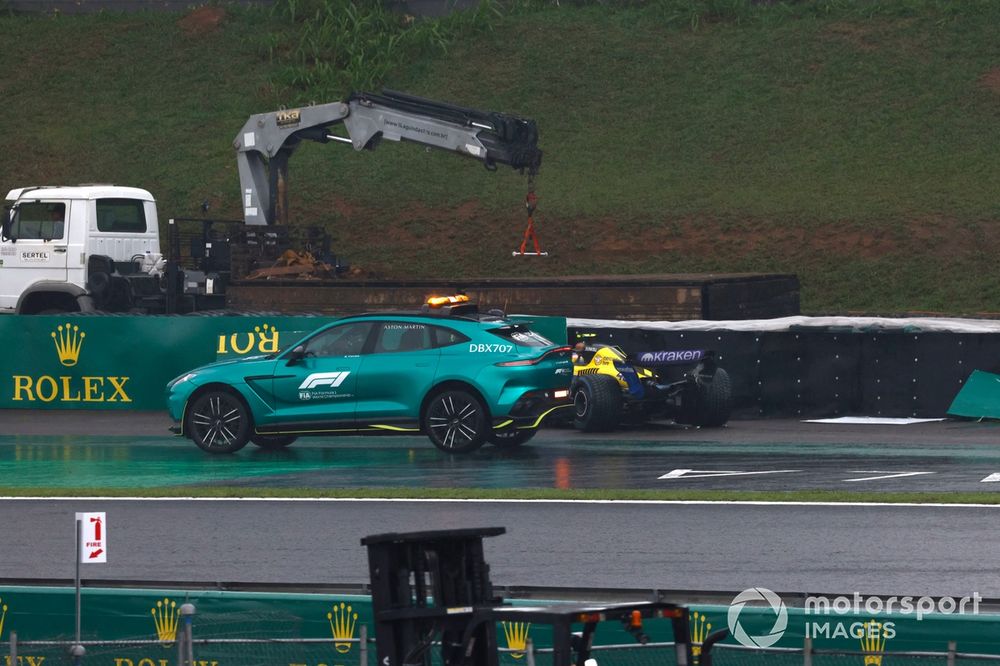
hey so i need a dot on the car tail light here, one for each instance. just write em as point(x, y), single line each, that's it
point(534, 361)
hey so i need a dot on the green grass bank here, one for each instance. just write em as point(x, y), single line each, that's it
point(851, 142)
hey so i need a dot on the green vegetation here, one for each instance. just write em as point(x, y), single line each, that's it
point(851, 142)
point(520, 494)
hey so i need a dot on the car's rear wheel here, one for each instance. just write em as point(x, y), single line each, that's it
point(597, 403)
point(713, 399)
point(219, 422)
point(511, 438)
point(456, 422)
point(272, 441)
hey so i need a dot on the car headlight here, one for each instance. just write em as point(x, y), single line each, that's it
point(180, 380)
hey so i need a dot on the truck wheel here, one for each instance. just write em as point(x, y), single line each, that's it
point(597, 403)
point(455, 420)
point(713, 396)
point(218, 422)
point(511, 438)
point(272, 441)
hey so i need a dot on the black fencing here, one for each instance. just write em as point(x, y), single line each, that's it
point(815, 373)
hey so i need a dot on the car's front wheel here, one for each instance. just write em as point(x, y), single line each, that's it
point(272, 441)
point(511, 438)
point(219, 422)
point(456, 421)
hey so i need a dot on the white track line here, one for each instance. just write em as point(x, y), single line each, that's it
point(498, 501)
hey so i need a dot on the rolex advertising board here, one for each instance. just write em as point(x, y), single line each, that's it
point(111, 362)
point(142, 626)
point(124, 362)
point(239, 628)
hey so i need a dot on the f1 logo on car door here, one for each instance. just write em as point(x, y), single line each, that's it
point(319, 380)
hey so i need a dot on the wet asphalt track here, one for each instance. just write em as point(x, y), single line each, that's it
point(911, 550)
point(121, 450)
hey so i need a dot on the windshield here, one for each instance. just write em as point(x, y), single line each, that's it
point(523, 336)
point(37, 220)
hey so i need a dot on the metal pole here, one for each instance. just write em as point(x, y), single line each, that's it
point(187, 615)
point(363, 638)
point(807, 650)
point(77, 651)
point(952, 648)
point(13, 648)
point(529, 649)
point(181, 641)
point(76, 559)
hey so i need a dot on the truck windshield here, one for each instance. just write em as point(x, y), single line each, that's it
point(39, 221)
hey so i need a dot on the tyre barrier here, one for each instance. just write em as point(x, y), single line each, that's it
point(824, 372)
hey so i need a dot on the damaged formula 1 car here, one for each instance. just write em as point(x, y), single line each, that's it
point(610, 388)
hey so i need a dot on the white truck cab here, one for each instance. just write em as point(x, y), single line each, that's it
point(60, 245)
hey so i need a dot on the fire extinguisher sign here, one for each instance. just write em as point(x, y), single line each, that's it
point(93, 537)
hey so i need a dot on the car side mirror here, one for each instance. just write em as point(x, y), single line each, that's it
point(296, 355)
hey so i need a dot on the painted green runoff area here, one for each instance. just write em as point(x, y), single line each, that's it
point(151, 615)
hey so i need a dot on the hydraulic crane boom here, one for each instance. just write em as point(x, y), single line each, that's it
point(267, 140)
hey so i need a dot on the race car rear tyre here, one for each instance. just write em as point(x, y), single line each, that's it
point(713, 400)
point(455, 421)
point(511, 438)
point(219, 422)
point(597, 403)
point(272, 441)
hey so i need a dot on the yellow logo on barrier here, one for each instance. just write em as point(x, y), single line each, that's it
point(873, 639)
point(517, 637)
point(700, 629)
point(165, 617)
point(342, 621)
point(68, 342)
point(3, 616)
point(263, 339)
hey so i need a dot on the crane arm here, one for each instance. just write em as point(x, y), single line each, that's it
point(267, 140)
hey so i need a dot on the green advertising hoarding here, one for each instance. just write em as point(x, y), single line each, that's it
point(125, 362)
point(152, 615)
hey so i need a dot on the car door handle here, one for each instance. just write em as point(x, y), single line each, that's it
point(58, 249)
point(422, 365)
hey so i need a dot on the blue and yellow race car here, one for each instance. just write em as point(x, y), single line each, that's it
point(610, 387)
point(459, 376)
